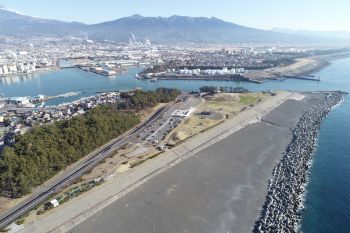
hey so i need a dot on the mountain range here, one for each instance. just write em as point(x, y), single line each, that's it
point(156, 29)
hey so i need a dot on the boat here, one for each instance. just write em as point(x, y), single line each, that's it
point(137, 76)
point(153, 80)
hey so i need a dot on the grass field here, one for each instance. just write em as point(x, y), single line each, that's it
point(248, 99)
point(221, 106)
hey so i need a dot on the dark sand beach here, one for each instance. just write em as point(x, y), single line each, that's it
point(220, 189)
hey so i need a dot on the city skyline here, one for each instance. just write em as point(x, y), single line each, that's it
point(320, 15)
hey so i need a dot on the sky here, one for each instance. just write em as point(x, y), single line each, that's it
point(321, 15)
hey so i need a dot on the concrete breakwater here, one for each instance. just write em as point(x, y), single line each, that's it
point(232, 77)
point(281, 211)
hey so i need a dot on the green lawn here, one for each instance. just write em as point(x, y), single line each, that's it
point(247, 99)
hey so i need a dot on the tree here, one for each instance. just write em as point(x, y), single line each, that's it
point(45, 150)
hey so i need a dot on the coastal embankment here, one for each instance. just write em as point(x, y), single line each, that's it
point(214, 182)
point(282, 209)
point(218, 189)
point(89, 204)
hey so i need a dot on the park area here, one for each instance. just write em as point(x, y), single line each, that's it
point(214, 110)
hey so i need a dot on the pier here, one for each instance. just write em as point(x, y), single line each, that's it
point(308, 77)
point(66, 95)
point(67, 67)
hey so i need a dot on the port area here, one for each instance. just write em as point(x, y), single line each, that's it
point(300, 68)
point(103, 69)
point(199, 113)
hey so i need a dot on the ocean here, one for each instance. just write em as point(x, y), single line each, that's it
point(327, 199)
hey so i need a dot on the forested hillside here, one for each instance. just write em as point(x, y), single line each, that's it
point(45, 150)
point(145, 99)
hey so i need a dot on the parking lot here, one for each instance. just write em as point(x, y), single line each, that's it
point(169, 120)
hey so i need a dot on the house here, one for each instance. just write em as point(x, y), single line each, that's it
point(52, 204)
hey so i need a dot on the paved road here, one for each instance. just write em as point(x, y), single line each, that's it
point(76, 171)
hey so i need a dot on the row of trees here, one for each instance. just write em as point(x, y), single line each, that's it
point(209, 89)
point(45, 150)
point(173, 64)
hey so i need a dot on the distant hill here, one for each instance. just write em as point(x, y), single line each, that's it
point(329, 34)
point(156, 29)
point(14, 23)
point(182, 29)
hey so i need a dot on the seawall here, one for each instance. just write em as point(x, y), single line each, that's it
point(282, 209)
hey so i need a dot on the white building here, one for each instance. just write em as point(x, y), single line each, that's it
point(241, 70)
point(5, 69)
point(19, 101)
point(196, 71)
point(20, 67)
point(12, 68)
point(22, 53)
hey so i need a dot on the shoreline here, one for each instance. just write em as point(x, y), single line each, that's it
point(286, 189)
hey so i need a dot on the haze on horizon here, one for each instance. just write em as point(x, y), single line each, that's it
point(318, 15)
